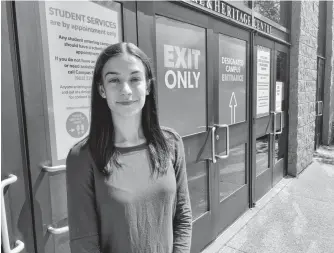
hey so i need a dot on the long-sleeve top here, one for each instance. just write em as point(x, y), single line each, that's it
point(128, 211)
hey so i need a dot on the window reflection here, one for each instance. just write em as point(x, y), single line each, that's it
point(280, 146)
point(262, 149)
point(232, 172)
point(281, 72)
point(281, 76)
point(275, 10)
point(198, 188)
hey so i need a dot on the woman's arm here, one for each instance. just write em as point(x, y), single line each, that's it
point(82, 216)
point(182, 224)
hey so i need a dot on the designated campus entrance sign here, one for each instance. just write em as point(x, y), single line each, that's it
point(232, 85)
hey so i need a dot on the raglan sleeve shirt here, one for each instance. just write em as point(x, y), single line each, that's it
point(82, 215)
point(86, 200)
point(182, 224)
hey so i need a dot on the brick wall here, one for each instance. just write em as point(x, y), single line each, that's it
point(328, 114)
point(303, 76)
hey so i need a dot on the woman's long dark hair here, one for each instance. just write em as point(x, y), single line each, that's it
point(101, 137)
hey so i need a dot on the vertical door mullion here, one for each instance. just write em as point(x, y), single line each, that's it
point(252, 145)
point(273, 109)
point(215, 120)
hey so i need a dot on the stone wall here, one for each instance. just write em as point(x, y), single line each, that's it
point(303, 76)
point(328, 113)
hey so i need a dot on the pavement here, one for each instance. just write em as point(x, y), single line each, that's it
point(297, 215)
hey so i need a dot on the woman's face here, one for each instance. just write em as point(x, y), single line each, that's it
point(124, 85)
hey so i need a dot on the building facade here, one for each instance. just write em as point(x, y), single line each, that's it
point(247, 84)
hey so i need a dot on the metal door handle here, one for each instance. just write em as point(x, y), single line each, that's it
point(53, 169)
point(213, 146)
point(274, 130)
point(57, 231)
point(227, 142)
point(19, 245)
point(281, 130)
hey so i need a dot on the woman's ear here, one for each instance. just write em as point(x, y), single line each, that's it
point(102, 91)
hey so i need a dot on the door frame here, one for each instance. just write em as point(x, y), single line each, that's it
point(262, 183)
point(267, 179)
point(280, 167)
point(17, 196)
point(237, 202)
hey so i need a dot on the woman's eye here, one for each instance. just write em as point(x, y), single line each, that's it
point(113, 80)
point(135, 79)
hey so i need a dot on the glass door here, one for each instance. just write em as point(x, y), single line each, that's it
point(281, 102)
point(180, 41)
point(17, 231)
point(263, 69)
point(231, 135)
point(270, 114)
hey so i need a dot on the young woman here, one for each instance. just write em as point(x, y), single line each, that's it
point(127, 187)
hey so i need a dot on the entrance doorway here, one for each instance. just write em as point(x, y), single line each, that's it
point(202, 70)
point(270, 114)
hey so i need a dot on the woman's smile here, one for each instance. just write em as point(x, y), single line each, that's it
point(126, 102)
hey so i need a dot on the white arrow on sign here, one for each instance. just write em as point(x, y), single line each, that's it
point(233, 105)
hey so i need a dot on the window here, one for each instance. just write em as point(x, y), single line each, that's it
point(277, 11)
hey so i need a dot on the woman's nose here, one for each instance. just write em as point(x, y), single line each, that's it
point(126, 89)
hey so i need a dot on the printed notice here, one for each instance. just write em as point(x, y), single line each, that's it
point(73, 36)
point(232, 85)
point(263, 81)
point(279, 98)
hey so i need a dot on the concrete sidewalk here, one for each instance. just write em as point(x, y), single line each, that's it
point(297, 215)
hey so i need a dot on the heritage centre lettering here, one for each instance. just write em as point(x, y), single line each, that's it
point(231, 12)
point(181, 63)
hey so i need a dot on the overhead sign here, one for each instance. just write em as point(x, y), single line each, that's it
point(181, 65)
point(73, 36)
point(279, 98)
point(232, 85)
point(234, 13)
point(263, 81)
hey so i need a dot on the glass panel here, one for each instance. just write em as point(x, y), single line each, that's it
point(321, 29)
point(198, 188)
point(276, 10)
point(280, 145)
point(181, 66)
point(281, 72)
point(262, 152)
point(232, 171)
